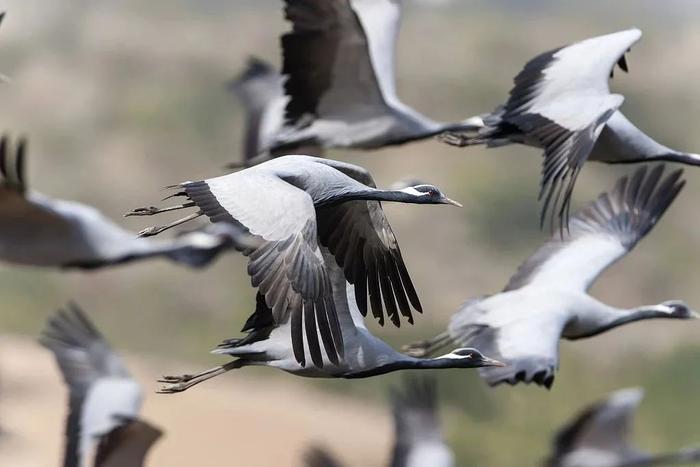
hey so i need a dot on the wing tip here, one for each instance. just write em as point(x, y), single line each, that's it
point(69, 326)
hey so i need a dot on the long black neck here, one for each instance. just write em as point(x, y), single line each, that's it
point(679, 157)
point(682, 157)
point(411, 363)
point(369, 194)
point(615, 317)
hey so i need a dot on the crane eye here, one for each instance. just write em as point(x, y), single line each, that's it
point(433, 193)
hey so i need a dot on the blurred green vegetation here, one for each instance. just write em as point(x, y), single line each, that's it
point(122, 98)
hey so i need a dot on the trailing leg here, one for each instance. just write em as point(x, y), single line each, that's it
point(181, 383)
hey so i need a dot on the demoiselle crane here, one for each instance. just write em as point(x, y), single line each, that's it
point(270, 342)
point(104, 400)
point(42, 231)
point(547, 297)
point(562, 102)
point(418, 439)
point(295, 205)
point(600, 437)
point(338, 61)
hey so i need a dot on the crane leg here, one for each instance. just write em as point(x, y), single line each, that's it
point(181, 383)
point(151, 210)
point(155, 230)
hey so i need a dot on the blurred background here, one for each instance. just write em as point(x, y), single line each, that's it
point(119, 99)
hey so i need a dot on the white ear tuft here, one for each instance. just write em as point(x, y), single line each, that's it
point(412, 191)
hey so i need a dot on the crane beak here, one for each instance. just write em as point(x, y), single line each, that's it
point(491, 362)
point(446, 200)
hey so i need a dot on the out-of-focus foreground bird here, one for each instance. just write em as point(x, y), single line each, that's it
point(338, 61)
point(41, 231)
point(599, 437)
point(561, 102)
point(296, 206)
point(547, 297)
point(102, 428)
point(418, 439)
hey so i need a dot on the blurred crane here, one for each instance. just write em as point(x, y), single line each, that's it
point(599, 437)
point(41, 231)
point(418, 437)
point(104, 400)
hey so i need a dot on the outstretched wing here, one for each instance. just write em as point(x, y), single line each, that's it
point(82, 354)
point(561, 100)
point(601, 233)
point(287, 267)
point(86, 361)
point(339, 57)
point(604, 427)
point(358, 234)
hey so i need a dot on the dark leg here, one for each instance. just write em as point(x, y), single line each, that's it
point(181, 383)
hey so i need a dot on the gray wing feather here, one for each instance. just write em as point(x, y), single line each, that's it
point(358, 234)
point(83, 357)
point(287, 266)
point(623, 215)
point(561, 100)
point(326, 37)
point(468, 329)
